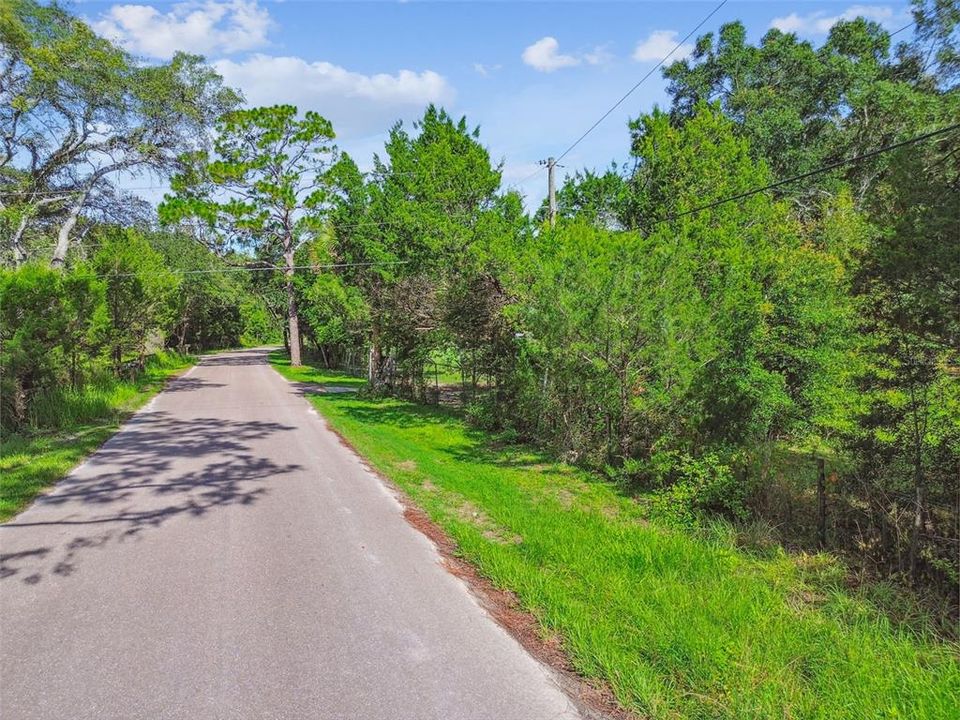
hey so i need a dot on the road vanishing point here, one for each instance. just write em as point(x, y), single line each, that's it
point(224, 556)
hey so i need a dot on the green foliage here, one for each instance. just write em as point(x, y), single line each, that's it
point(216, 305)
point(129, 300)
point(694, 488)
point(431, 220)
point(891, 224)
point(140, 293)
point(718, 329)
point(335, 313)
point(800, 106)
point(270, 164)
point(259, 326)
point(77, 111)
point(48, 320)
point(600, 199)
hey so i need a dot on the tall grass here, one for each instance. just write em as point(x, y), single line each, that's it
point(102, 397)
point(680, 625)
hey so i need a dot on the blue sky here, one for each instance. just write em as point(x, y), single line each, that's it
point(533, 75)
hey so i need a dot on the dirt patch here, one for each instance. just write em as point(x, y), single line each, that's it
point(611, 511)
point(565, 498)
point(594, 698)
point(468, 512)
point(407, 465)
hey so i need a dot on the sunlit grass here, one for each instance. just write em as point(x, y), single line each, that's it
point(680, 625)
point(67, 424)
point(306, 373)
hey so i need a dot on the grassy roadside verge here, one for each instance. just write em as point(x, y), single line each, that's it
point(308, 374)
point(83, 420)
point(681, 627)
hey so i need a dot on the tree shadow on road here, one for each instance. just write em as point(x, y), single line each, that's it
point(188, 384)
point(237, 358)
point(157, 469)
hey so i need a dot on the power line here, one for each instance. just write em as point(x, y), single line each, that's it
point(896, 32)
point(119, 188)
point(642, 80)
point(645, 77)
point(622, 99)
point(811, 173)
point(269, 268)
point(68, 193)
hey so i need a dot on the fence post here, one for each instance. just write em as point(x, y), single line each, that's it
point(821, 503)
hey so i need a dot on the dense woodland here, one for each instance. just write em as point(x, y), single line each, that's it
point(697, 338)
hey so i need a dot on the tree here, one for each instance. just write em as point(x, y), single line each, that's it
point(264, 187)
point(434, 206)
point(892, 223)
point(206, 310)
point(601, 199)
point(692, 345)
point(48, 320)
point(908, 443)
point(75, 110)
point(140, 290)
point(802, 107)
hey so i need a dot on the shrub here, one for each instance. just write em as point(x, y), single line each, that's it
point(48, 321)
point(691, 486)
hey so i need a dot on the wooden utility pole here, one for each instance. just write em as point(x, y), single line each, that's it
point(551, 188)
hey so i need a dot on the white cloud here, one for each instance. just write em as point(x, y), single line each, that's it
point(544, 55)
point(485, 70)
point(819, 22)
point(600, 55)
point(658, 45)
point(357, 104)
point(197, 26)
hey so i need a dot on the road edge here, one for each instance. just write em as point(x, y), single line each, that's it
point(594, 698)
point(121, 423)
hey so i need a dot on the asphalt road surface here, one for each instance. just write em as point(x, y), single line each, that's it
point(225, 556)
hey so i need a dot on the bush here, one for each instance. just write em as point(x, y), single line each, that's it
point(690, 487)
point(141, 291)
point(483, 414)
point(49, 323)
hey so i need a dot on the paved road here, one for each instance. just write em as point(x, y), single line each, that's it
point(224, 556)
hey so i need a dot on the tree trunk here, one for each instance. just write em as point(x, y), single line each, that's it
point(376, 358)
point(63, 236)
point(16, 242)
point(915, 531)
point(919, 428)
point(293, 318)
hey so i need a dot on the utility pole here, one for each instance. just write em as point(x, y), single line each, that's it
point(551, 188)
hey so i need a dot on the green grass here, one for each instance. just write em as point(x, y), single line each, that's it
point(67, 425)
point(308, 374)
point(680, 625)
point(447, 376)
